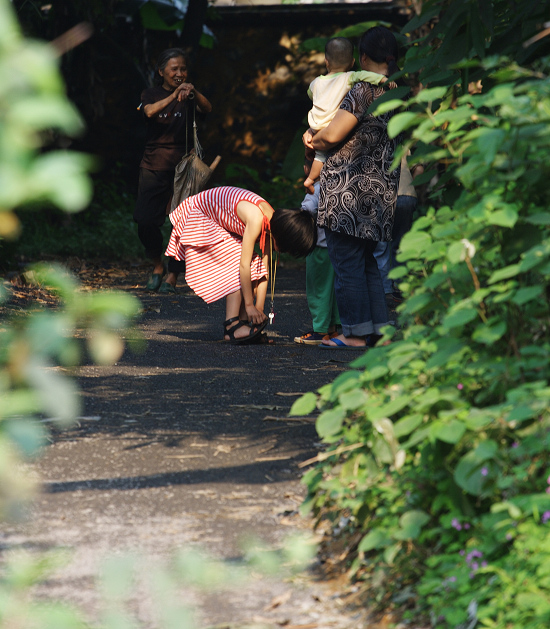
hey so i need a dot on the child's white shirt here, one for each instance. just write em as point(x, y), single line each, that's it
point(328, 90)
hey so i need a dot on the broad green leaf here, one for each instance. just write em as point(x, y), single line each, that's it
point(459, 317)
point(468, 472)
point(521, 413)
point(542, 218)
point(391, 552)
point(330, 422)
point(351, 400)
point(373, 373)
point(304, 405)
point(105, 346)
point(414, 244)
point(373, 540)
point(514, 511)
point(415, 517)
point(428, 95)
point(392, 407)
point(419, 20)
point(389, 105)
point(504, 274)
point(535, 256)
point(58, 394)
point(396, 362)
point(28, 435)
point(490, 332)
point(400, 122)
point(152, 20)
point(418, 302)
point(448, 349)
point(380, 104)
point(112, 302)
point(506, 217)
point(451, 432)
point(407, 424)
point(458, 252)
point(47, 112)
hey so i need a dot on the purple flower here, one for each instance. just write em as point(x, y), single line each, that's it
point(509, 536)
point(460, 386)
point(456, 524)
point(466, 526)
point(545, 517)
point(484, 471)
point(452, 579)
point(515, 444)
point(473, 554)
point(484, 564)
point(462, 553)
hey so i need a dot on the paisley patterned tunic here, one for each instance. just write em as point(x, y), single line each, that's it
point(358, 192)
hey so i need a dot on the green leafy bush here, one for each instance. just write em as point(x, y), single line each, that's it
point(34, 343)
point(437, 462)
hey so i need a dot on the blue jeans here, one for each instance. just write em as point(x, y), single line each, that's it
point(385, 252)
point(358, 285)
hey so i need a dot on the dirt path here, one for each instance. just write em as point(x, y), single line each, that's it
point(188, 445)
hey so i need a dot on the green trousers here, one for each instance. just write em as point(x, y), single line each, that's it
point(320, 291)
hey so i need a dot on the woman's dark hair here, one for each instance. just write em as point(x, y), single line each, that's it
point(380, 45)
point(294, 231)
point(163, 59)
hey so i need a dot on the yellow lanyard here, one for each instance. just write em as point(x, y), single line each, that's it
point(272, 275)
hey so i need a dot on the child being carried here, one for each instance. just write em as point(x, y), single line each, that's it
point(328, 90)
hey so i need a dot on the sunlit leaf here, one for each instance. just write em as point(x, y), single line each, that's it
point(330, 422)
point(304, 405)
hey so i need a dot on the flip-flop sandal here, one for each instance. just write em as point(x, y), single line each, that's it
point(254, 333)
point(341, 345)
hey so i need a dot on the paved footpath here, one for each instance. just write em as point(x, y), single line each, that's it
point(188, 445)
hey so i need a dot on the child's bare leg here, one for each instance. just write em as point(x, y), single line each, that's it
point(314, 174)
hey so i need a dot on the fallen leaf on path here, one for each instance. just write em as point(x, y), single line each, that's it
point(224, 449)
point(260, 459)
point(278, 600)
point(303, 420)
point(289, 394)
point(263, 407)
point(269, 447)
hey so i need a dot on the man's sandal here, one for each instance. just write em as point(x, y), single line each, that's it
point(255, 331)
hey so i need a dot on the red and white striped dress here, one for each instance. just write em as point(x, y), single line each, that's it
point(207, 234)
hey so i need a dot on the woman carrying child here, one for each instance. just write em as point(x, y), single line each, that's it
point(358, 192)
point(215, 232)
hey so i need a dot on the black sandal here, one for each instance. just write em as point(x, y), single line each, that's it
point(255, 331)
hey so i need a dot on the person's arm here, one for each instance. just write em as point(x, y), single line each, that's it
point(253, 227)
point(181, 93)
point(261, 291)
point(336, 132)
point(368, 77)
point(203, 104)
